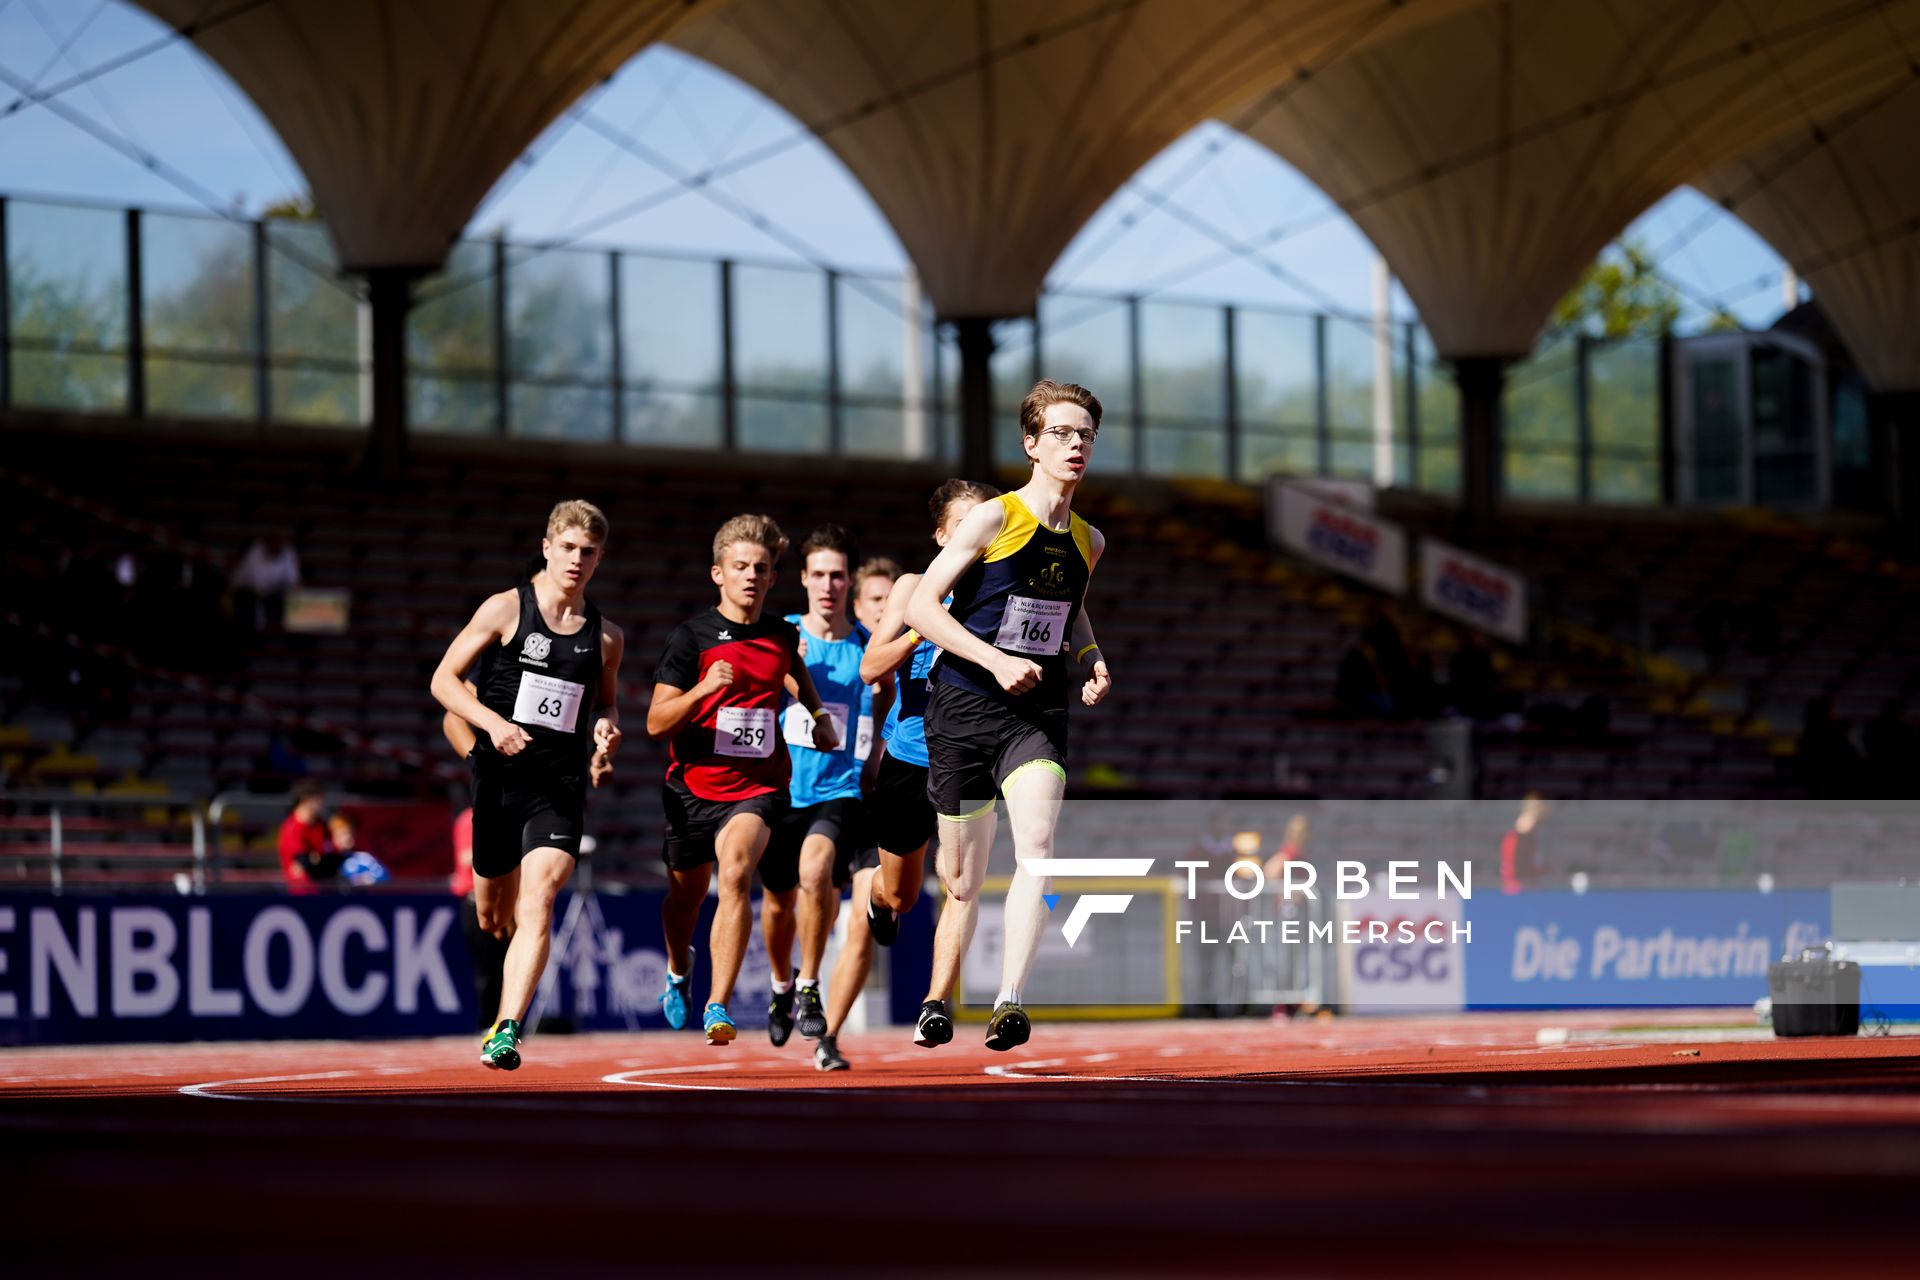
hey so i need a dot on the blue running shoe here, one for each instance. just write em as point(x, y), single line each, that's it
point(719, 1024)
point(677, 1000)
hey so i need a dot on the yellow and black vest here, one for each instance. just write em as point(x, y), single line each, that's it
point(1022, 596)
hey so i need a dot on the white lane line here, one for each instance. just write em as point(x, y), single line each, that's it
point(1100, 1057)
point(208, 1089)
point(627, 1077)
point(1015, 1070)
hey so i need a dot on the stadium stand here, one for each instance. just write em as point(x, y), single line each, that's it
point(1198, 711)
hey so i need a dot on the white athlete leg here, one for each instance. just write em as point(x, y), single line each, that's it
point(964, 846)
point(1033, 795)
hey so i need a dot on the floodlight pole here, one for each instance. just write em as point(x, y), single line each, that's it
point(973, 335)
point(1896, 419)
point(1481, 380)
point(389, 299)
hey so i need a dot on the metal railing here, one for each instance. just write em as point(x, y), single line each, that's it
point(78, 840)
point(151, 313)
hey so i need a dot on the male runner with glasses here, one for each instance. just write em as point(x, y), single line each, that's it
point(1017, 568)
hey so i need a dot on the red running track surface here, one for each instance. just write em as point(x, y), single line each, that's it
point(1539, 1144)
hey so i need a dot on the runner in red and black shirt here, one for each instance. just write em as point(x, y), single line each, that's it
point(716, 700)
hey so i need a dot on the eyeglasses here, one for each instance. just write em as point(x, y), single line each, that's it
point(1065, 434)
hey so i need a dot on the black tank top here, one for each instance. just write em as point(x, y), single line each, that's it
point(547, 684)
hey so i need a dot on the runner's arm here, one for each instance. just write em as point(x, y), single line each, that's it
point(673, 707)
point(606, 730)
point(493, 622)
point(824, 738)
point(1086, 650)
point(925, 612)
point(459, 733)
point(893, 642)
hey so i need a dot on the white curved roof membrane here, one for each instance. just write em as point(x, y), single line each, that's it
point(1488, 147)
point(1491, 155)
point(402, 114)
point(1843, 207)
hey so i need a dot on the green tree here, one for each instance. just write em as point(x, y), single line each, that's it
point(1622, 294)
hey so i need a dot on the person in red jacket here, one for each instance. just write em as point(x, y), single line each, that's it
point(307, 856)
point(1521, 866)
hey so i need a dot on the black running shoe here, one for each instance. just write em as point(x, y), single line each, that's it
point(1008, 1027)
point(826, 1056)
point(935, 1027)
point(780, 1017)
point(882, 923)
point(811, 1015)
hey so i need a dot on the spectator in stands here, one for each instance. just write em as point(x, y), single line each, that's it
point(269, 569)
point(1361, 687)
point(1473, 687)
point(1830, 767)
point(1383, 636)
point(1293, 848)
point(1521, 866)
point(1893, 755)
point(1215, 843)
point(308, 857)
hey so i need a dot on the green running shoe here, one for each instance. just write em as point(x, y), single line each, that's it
point(501, 1049)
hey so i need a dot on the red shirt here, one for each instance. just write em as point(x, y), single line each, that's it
point(461, 882)
point(1519, 861)
point(731, 749)
point(296, 838)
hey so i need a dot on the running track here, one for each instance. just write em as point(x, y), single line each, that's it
point(1482, 1145)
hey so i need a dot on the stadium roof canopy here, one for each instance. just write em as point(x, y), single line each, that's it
point(1846, 214)
point(1488, 147)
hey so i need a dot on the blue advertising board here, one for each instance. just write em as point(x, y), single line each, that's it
point(104, 970)
point(1635, 947)
point(76, 970)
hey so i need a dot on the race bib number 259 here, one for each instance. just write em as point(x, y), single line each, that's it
point(744, 731)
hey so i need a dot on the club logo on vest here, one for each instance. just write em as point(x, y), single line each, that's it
point(1054, 575)
point(537, 648)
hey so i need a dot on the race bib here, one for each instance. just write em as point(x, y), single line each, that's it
point(798, 723)
point(1037, 627)
point(744, 731)
point(547, 702)
point(863, 739)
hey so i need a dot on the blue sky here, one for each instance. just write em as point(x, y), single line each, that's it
point(175, 105)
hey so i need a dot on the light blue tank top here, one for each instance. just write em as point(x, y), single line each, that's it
point(819, 776)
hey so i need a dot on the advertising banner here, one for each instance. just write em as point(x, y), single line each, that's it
point(1478, 592)
point(77, 970)
point(1413, 962)
point(1339, 537)
point(1630, 947)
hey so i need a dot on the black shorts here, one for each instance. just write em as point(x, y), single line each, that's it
point(975, 744)
point(694, 823)
point(898, 807)
point(516, 812)
point(842, 821)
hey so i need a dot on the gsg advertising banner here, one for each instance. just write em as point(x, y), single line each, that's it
point(1630, 947)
